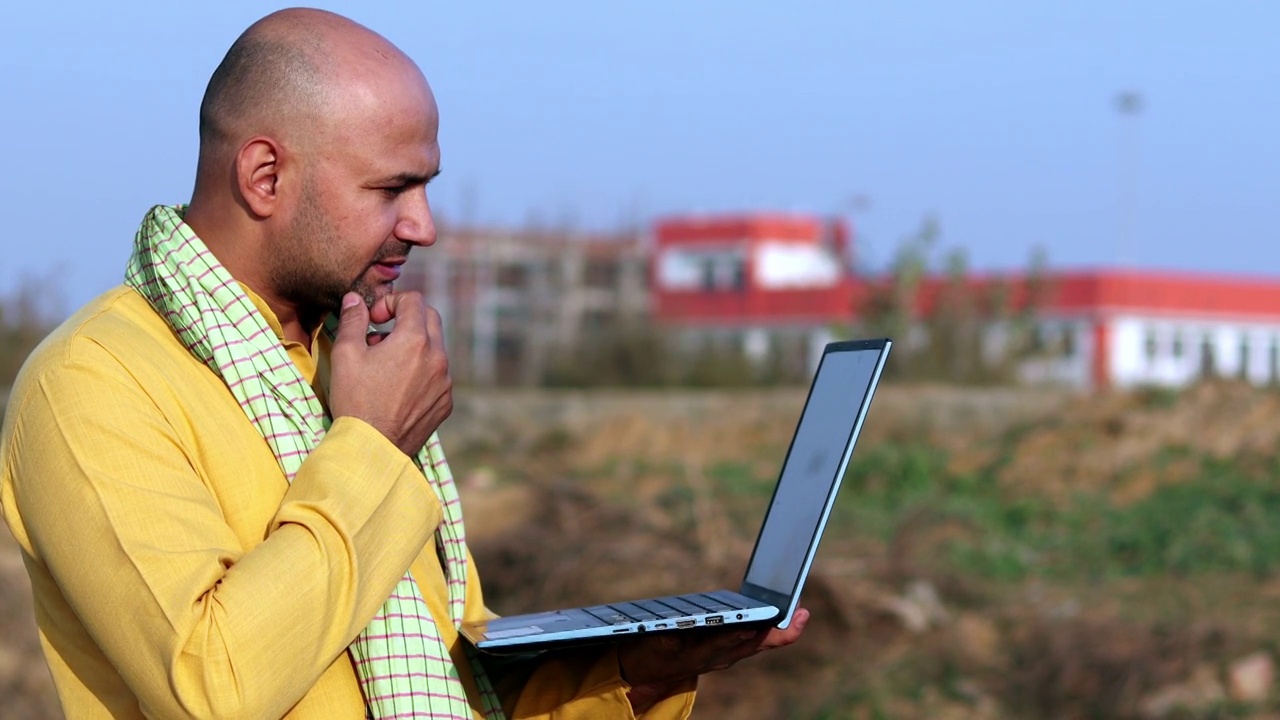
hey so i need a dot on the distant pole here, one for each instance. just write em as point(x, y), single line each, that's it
point(856, 205)
point(1129, 105)
point(484, 323)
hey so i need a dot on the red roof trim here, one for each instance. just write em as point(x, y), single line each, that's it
point(737, 228)
point(1121, 291)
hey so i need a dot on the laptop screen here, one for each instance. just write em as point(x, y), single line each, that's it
point(815, 464)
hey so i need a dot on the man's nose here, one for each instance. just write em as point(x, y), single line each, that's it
point(416, 224)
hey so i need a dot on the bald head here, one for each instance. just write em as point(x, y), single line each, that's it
point(285, 74)
point(317, 140)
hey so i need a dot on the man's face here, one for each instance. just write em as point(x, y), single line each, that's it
point(362, 203)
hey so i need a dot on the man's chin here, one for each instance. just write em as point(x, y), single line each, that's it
point(373, 292)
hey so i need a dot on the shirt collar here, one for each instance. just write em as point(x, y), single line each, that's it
point(305, 361)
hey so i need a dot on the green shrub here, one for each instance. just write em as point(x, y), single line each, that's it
point(1222, 520)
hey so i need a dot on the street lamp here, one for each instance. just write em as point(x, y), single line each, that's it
point(1129, 104)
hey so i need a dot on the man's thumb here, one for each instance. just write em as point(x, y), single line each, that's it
point(353, 319)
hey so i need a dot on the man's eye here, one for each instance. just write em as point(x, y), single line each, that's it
point(395, 191)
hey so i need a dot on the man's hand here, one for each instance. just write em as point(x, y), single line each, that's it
point(655, 664)
point(398, 383)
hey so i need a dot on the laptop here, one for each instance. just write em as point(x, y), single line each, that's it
point(837, 404)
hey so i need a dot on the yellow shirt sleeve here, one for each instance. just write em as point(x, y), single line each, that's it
point(105, 495)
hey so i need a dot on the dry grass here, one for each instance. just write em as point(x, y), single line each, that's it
point(26, 689)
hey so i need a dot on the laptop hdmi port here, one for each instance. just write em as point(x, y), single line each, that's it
point(686, 623)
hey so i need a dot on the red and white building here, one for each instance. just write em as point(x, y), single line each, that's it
point(759, 280)
point(1127, 328)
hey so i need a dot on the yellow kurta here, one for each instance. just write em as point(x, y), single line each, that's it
point(176, 573)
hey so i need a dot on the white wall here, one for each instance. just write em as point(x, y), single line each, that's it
point(780, 265)
point(1071, 362)
point(1133, 363)
point(818, 339)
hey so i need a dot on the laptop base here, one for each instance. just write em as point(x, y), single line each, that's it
point(602, 623)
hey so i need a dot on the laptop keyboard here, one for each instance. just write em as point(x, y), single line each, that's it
point(659, 609)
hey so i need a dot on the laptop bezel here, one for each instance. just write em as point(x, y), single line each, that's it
point(787, 602)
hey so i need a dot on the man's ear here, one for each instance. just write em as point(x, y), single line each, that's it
point(258, 175)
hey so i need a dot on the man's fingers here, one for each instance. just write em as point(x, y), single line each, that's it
point(435, 327)
point(379, 313)
point(353, 318)
point(406, 315)
point(778, 637)
point(395, 305)
point(401, 387)
point(730, 638)
point(677, 655)
point(407, 308)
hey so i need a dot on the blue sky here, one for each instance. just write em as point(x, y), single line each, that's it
point(995, 116)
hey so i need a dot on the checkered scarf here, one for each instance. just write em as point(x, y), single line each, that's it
point(404, 667)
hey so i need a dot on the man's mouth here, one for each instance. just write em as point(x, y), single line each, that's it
point(388, 269)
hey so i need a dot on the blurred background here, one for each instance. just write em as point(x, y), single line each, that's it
point(652, 217)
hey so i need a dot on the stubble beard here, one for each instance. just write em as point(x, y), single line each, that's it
point(305, 270)
point(310, 273)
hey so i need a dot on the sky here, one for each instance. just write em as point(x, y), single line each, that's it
point(996, 117)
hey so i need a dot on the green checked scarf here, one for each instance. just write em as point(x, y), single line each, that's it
point(404, 667)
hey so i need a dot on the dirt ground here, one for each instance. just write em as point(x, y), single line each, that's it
point(568, 499)
point(26, 691)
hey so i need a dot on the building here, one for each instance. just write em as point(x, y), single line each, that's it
point(763, 283)
point(510, 300)
point(1123, 328)
point(1101, 329)
point(767, 284)
point(777, 287)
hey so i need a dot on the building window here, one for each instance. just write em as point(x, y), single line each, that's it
point(1244, 356)
point(596, 320)
point(1068, 341)
point(1150, 347)
point(603, 274)
point(1273, 374)
point(511, 276)
point(1178, 345)
point(1038, 340)
point(1208, 360)
point(718, 274)
point(708, 275)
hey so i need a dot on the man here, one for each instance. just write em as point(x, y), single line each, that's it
point(230, 497)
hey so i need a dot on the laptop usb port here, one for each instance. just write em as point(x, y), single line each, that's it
point(686, 623)
point(621, 630)
point(715, 620)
